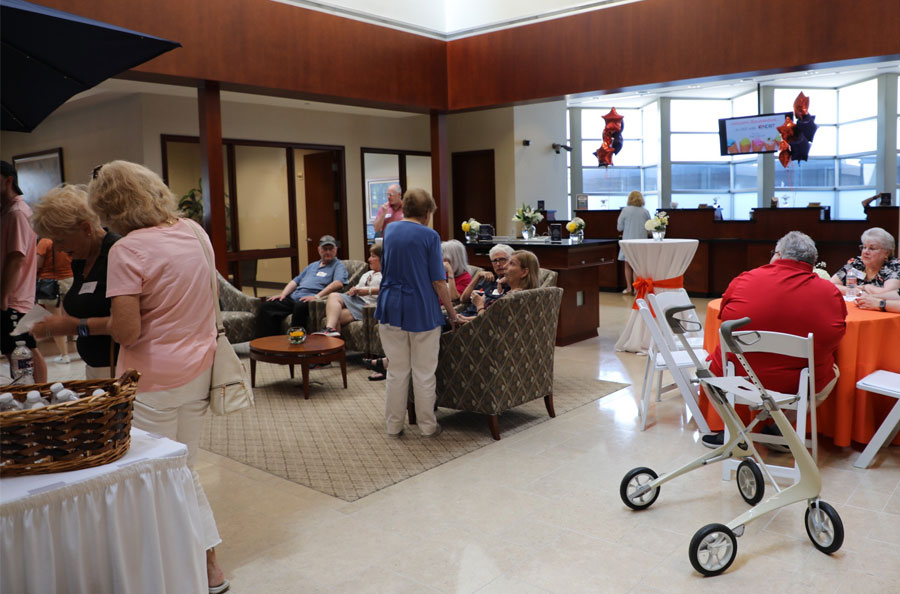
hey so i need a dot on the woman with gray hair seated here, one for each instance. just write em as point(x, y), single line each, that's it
point(487, 282)
point(875, 265)
point(456, 266)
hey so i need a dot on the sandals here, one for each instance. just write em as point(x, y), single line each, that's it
point(377, 377)
point(376, 365)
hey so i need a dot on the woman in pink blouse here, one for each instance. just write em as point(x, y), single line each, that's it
point(163, 314)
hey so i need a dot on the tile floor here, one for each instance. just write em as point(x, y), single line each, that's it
point(539, 512)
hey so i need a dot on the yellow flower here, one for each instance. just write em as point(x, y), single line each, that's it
point(571, 227)
point(466, 226)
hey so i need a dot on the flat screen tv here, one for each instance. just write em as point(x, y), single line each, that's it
point(750, 134)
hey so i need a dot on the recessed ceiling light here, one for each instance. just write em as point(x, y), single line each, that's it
point(693, 86)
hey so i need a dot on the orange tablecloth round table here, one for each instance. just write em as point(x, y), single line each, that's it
point(847, 414)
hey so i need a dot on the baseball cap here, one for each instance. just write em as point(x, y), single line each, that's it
point(7, 170)
point(327, 240)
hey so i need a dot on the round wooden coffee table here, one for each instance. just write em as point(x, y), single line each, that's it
point(318, 349)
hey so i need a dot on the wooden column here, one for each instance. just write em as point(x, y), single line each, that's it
point(213, 183)
point(440, 175)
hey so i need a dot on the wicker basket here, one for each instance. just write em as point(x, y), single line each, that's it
point(91, 431)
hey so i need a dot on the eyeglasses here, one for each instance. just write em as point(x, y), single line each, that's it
point(96, 171)
point(863, 248)
point(774, 252)
point(499, 260)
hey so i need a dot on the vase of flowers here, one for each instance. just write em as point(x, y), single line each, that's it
point(822, 271)
point(471, 228)
point(575, 227)
point(529, 218)
point(657, 225)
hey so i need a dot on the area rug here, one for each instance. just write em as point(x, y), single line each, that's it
point(335, 442)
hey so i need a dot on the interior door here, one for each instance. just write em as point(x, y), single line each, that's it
point(322, 202)
point(473, 189)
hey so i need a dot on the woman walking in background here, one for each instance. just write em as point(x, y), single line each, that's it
point(163, 314)
point(413, 288)
point(631, 225)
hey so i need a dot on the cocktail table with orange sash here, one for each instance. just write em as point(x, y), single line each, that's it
point(847, 414)
point(658, 267)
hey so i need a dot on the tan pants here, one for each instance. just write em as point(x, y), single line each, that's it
point(178, 415)
point(410, 354)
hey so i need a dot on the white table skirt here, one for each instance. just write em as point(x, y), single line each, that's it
point(658, 260)
point(131, 526)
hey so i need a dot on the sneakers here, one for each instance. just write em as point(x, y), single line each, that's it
point(773, 430)
point(61, 359)
point(713, 440)
point(329, 331)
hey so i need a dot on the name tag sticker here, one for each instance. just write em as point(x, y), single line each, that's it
point(88, 288)
point(320, 273)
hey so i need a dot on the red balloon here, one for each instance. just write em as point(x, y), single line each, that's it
point(613, 116)
point(801, 105)
point(787, 129)
point(604, 154)
point(785, 158)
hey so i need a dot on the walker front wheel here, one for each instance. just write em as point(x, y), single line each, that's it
point(750, 482)
point(713, 549)
point(824, 527)
point(633, 489)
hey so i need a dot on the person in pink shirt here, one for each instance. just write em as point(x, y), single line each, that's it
point(18, 267)
point(390, 211)
point(163, 313)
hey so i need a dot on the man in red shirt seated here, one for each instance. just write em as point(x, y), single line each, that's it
point(784, 296)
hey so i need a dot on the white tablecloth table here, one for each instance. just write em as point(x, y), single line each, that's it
point(131, 526)
point(657, 260)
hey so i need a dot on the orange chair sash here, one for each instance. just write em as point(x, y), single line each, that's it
point(643, 286)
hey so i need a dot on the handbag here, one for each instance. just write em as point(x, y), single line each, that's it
point(47, 289)
point(229, 389)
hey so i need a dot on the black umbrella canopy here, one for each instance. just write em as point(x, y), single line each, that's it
point(49, 55)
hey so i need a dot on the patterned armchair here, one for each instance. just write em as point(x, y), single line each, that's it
point(503, 358)
point(239, 312)
point(355, 268)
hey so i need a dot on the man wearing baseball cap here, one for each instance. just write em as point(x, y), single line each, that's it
point(18, 266)
point(317, 280)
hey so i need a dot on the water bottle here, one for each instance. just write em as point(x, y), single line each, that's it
point(34, 400)
point(7, 402)
point(65, 396)
point(851, 283)
point(22, 364)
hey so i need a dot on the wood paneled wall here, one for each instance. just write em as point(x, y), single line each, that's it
point(655, 41)
point(274, 48)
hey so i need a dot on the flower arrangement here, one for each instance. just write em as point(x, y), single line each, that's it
point(471, 226)
point(657, 223)
point(527, 216)
point(576, 224)
point(821, 270)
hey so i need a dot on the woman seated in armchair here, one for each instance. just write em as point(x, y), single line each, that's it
point(343, 308)
point(876, 264)
point(521, 274)
point(486, 282)
point(456, 266)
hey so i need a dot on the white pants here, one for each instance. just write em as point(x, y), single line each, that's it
point(178, 414)
point(96, 373)
point(410, 354)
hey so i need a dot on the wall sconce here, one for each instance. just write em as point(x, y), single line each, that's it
point(556, 146)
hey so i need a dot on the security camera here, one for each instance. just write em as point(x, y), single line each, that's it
point(556, 146)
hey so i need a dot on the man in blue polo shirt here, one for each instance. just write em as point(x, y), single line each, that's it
point(317, 280)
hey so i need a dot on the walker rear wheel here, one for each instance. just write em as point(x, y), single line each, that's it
point(633, 489)
point(713, 549)
point(750, 482)
point(824, 527)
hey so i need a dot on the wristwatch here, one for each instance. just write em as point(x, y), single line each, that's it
point(883, 305)
point(83, 329)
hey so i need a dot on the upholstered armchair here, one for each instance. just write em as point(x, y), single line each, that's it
point(239, 312)
point(355, 268)
point(501, 359)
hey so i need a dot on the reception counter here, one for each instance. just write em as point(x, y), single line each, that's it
point(579, 267)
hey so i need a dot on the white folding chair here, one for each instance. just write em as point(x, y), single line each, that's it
point(803, 401)
point(677, 362)
point(888, 384)
point(660, 304)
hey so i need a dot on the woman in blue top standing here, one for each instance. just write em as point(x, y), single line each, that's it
point(413, 288)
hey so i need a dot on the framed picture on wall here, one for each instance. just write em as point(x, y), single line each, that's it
point(376, 195)
point(39, 173)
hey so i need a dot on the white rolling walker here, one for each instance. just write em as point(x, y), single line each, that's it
point(714, 547)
